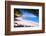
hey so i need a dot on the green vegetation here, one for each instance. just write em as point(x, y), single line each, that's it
point(17, 12)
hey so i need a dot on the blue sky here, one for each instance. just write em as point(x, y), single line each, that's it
point(29, 16)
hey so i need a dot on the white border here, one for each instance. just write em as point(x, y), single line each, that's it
point(26, 7)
